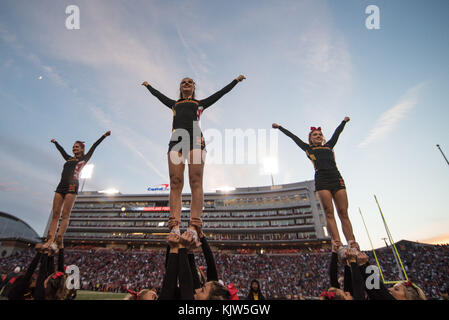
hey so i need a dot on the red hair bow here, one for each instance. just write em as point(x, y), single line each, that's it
point(57, 275)
point(409, 284)
point(314, 129)
point(232, 291)
point(329, 295)
point(134, 293)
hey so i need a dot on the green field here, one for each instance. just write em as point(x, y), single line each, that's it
point(94, 295)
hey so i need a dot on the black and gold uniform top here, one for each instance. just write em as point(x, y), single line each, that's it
point(187, 112)
point(322, 157)
point(73, 166)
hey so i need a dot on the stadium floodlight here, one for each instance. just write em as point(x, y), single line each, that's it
point(225, 189)
point(87, 171)
point(109, 191)
point(270, 167)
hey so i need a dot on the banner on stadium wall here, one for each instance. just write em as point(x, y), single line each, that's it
point(159, 187)
point(156, 209)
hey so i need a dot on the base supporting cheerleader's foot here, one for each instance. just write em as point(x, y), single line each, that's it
point(341, 252)
point(174, 231)
point(194, 242)
point(353, 245)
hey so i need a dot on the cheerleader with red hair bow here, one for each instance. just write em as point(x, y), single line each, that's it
point(233, 292)
point(328, 181)
point(49, 285)
point(403, 290)
point(67, 190)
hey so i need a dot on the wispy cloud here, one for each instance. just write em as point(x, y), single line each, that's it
point(9, 185)
point(130, 138)
point(390, 118)
point(196, 57)
point(11, 40)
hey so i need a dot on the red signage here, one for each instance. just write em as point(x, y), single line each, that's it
point(156, 209)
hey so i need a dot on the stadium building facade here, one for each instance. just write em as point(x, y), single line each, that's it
point(15, 235)
point(277, 217)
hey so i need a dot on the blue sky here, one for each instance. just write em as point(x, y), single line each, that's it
point(307, 63)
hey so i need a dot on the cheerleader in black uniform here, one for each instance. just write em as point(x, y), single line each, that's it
point(187, 143)
point(67, 190)
point(328, 181)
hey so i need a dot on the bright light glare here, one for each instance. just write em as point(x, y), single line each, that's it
point(270, 166)
point(226, 189)
point(87, 171)
point(109, 191)
point(160, 224)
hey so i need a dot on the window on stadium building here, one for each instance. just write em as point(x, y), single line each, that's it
point(283, 223)
point(73, 223)
point(186, 203)
point(212, 236)
point(103, 205)
point(126, 224)
point(94, 214)
point(120, 224)
point(83, 205)
point(309, 220)
point(79, 214)
point(155, 223)
point(240, 214)
point(255, 236)
point(239, 201)
point(306, 210)
point(155, 214)
point(130, 214)
point(285, 211)
point(216, 214)
point(209, 204)
point(132, 204)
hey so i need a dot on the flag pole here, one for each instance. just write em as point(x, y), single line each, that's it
point(438, 146)
point(395, 250)
point(374, 252)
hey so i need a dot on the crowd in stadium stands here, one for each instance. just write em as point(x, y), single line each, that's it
point(281, 276)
